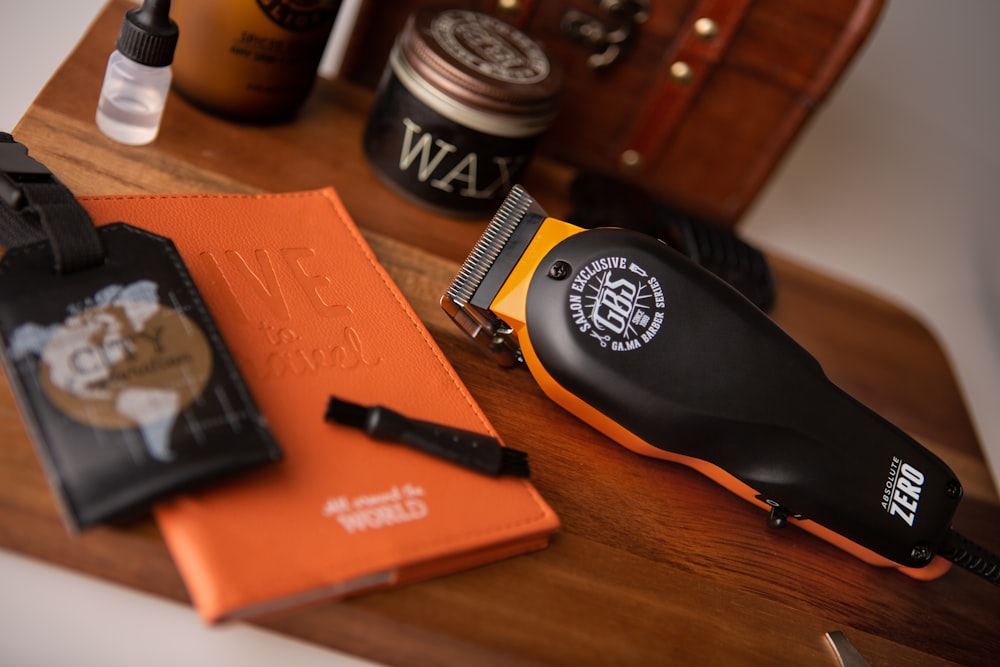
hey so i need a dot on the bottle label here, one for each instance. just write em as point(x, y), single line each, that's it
point(299, 15)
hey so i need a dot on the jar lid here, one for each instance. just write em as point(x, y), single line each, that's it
point(480, 62)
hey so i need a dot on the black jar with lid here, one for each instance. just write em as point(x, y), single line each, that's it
point(459, 110)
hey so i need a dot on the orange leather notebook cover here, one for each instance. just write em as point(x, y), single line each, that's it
point(308, 311)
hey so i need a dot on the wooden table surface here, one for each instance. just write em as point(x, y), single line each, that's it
point(654, 564)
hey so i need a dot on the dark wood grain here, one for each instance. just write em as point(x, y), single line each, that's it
point(655, 564)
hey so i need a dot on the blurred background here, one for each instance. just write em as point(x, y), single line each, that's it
point(892, 187)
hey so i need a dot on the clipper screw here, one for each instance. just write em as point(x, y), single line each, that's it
point(954, 490)
point(778, 517)
point(560, 270)
point(922, 553)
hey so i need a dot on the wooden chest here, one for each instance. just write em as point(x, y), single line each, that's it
point(695, 101)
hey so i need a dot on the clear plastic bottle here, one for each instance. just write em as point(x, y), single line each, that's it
point(138, 76)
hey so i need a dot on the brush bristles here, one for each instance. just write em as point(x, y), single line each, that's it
point(345, 412)
point(514, 462)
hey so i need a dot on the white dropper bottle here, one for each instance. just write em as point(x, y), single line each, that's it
point(138, 76)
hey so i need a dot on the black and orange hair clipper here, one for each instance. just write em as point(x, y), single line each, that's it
point(668, 360)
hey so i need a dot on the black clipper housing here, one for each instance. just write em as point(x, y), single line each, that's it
point(671, 362)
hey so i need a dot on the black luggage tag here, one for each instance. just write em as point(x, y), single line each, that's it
point(125, 383)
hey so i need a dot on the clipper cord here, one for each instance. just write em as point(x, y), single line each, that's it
point(965, 553)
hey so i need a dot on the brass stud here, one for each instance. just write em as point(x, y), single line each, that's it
point(631, 159)
point(705, 28)
point(681, 72)
point(509, 6)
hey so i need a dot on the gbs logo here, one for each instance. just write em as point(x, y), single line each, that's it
point(614, 304)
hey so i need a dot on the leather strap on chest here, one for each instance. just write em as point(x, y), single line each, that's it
point(705, 36)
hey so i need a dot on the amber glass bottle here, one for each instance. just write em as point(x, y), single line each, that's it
point(250, 60)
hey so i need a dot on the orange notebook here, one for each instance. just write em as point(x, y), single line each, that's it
point(309, 312)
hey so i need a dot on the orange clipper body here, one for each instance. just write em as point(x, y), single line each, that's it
point(669, 361)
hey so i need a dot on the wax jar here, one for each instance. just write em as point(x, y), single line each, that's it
point(460, 106)
point(250, 60)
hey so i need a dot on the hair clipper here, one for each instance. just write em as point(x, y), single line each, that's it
point(669, 361)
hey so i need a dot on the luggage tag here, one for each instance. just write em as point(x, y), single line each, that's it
point(120, 373)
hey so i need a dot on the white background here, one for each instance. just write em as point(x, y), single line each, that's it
point(893, 187)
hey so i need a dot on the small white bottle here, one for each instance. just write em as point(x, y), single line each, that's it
point(137, 80)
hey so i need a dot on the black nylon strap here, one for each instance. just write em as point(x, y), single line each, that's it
point(35, 207)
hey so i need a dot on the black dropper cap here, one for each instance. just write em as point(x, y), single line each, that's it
point(148, 36)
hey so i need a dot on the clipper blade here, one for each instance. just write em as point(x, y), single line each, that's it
point(517, 203)
point(478, 321)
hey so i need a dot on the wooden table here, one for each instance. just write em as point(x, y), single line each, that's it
point(655, 564)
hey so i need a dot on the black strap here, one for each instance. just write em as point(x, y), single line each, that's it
point(35, 207)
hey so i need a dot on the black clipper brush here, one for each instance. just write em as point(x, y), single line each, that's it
point(673, 363)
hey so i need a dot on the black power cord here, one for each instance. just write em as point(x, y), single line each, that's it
point(966, 553)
